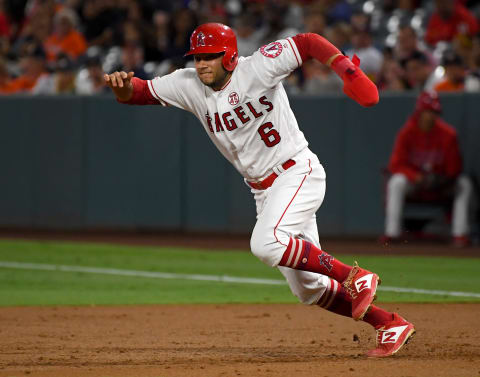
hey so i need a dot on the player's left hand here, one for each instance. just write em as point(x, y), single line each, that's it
point(356, 84)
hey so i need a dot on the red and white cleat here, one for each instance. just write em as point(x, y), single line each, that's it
point(362, 286)
point(392, 336)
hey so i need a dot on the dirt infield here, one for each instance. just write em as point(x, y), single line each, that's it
point(230, 340)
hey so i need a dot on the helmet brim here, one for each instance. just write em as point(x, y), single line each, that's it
point(206, 50)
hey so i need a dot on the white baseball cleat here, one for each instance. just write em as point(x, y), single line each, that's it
point(391, 336)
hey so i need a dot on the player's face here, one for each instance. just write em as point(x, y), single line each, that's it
point(210, 70)
point(427, 120)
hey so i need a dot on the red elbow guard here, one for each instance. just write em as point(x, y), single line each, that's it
point(356, 84)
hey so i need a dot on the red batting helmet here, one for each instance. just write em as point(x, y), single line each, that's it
point(428, 101)
point(213, 38)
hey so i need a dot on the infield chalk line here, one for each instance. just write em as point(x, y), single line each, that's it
point(215, 278)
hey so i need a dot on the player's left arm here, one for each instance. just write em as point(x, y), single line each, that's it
point(356, 84)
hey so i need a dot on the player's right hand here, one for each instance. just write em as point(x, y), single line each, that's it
point(120, 83)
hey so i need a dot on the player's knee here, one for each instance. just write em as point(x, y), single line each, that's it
point(259, 247)
point(266, 247)
point(464, 185)
point(307, 287)
point(397, 182)
point(306, 297)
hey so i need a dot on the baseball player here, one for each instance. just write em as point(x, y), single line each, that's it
point(426, 164)
point(243, 107)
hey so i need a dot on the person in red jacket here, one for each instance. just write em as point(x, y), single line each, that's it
point(449, 21)
point(426, 163)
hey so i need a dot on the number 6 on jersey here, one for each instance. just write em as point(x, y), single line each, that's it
point(269, 135)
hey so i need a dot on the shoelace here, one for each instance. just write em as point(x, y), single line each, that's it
point(347, 284)
point(378, 339)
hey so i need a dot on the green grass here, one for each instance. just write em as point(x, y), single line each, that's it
point(33, 287)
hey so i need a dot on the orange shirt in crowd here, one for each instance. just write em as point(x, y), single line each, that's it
point(20, 84)
point(461, 22)
point(449, 86)
point(73, 44)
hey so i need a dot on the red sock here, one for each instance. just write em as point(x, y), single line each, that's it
point(377, 316)
point(336, 299)
point(302, 255)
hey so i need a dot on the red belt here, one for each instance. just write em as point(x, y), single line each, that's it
point(267, 182)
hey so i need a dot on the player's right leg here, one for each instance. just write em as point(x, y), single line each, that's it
point(461, 202)
point(392, 330)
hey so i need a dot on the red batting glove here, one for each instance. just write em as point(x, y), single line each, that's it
point(356, 84)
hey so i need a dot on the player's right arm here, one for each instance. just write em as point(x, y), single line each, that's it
point(129, 89)
point(178, 89)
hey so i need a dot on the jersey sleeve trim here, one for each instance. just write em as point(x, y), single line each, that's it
point(295, 51)
point(154, 93)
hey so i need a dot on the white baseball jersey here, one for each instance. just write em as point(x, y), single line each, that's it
point(249, 119)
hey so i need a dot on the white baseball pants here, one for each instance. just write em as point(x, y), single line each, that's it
point(287, 209)
point(398, 187)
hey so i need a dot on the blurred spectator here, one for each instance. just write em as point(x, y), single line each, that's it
point(135, 21)
point(132, 60)
point(65, 39)
point(90, 80)
point(4, 77)
point(419, 72)
point(160, 31)
point(32, 67)
point(101, 21)
point(35, 30)
point(472, 81)
point(275, 26)
point(338, 11)
point(426, 165)
point(61, 81)
point(157, 38)
point(392, 76)
point(408, 43)
point(449, 21)
point(371, 58)
point(4, 22)
point(317, 78)
point(454, 78)
point(213, 11)
point(339, 35)
point(320, 79)
point(248, 38)
point(360, 21)
point(182, 24)
point(315, 22)
point(33, 7)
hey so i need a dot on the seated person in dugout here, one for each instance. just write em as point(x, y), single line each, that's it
point(426, 164)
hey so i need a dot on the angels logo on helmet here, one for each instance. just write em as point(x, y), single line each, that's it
point(200, 39)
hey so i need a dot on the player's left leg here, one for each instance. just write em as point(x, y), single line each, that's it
point(308, 287)
point(392, 330)
point(283, 212)
point(329, 294)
